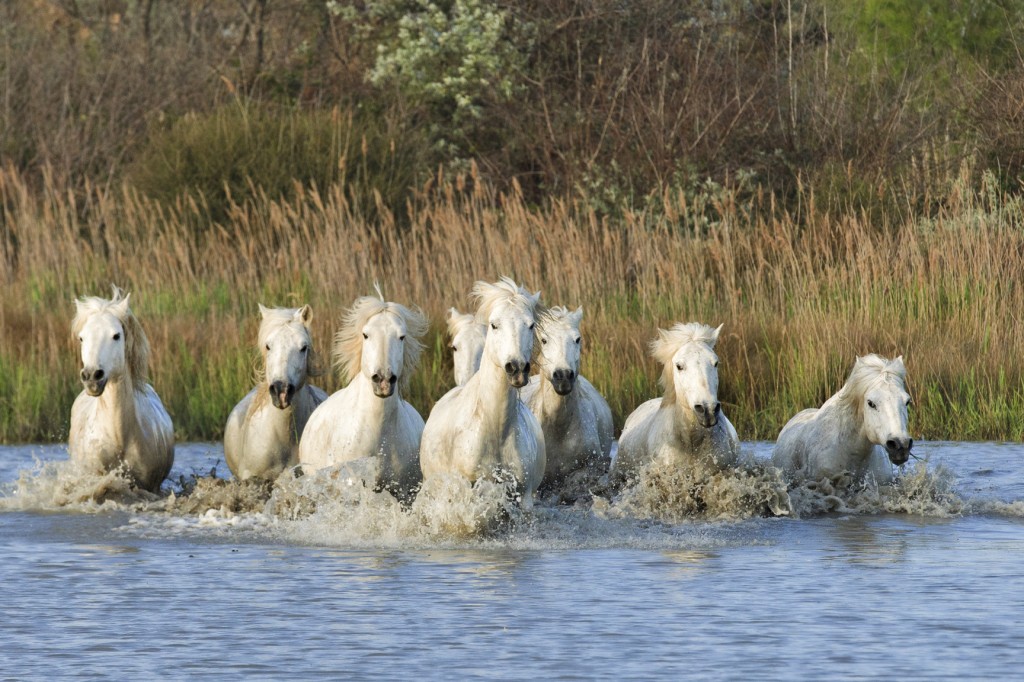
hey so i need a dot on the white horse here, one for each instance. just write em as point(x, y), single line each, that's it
point(118, 421)
point(845, 433)
point(687, 425)
point(377, 349)
point(467, 343)
point(261, 438)
point(482, 429)
point(575, 418)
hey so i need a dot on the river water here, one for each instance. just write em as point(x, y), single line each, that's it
point(328, 578)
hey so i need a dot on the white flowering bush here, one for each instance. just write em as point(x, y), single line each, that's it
point(455, 57)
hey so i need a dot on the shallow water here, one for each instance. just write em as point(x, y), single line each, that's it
point(223, 582)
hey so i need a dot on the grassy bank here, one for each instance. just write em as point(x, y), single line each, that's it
point(800, 294)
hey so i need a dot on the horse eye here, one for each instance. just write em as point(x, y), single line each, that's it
point(716, 364)
point(365, 335)
point(268, 346)
point(402, 337)
point(532, 325)
point(578, 340)
point(304, 349)
point(455, 349)
point(117, 337)
point(493, 325)
point(543, 340)
point(872, 405)
point(909, 401)
point(81, 340)
point(680, 367)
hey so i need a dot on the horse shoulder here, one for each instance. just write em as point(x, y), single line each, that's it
point(234, 431)
point(634, 443)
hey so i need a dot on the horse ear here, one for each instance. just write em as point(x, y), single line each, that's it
point(898, 364)
point(451, 314)
point(122, 306)
point(718, 331)
point(304, 315)
point(263, 310)
point(576, 316)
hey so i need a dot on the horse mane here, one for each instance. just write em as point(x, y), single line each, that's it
point(505, 290)
point(348, 342)
point(867, 371)
point(669, 341)
point(459, 322)
point(136, 344)
point(275, 318)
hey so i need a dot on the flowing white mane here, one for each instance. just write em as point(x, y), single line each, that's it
point(669, 341)
point(868, 371)
point(348, 342)
point(136, 345)
point(489, 296)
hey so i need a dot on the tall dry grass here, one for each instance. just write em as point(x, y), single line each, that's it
point(800, 293)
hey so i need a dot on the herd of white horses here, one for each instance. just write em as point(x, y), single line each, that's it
point(498, 421)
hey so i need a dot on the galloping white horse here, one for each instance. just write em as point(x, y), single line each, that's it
point(845, 433)
point(377, 349)
point(118, 420)
point(262, 434)
point(686, 425)
point(467, 343)
point(575, 418)
point(482, 428)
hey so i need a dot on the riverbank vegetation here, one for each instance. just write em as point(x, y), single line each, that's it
point(825, 181)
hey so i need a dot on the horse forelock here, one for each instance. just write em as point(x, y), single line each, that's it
point(136, 344)
point(504, 291)
point(348, 342)
point(868, 371)
point(460, 322)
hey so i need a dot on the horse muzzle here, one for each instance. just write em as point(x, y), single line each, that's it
point(517, 373)
point(707, 415)
point(281, 394)
point(94, 381)
point(384, 384)
point(898, 450)
point(563, 381)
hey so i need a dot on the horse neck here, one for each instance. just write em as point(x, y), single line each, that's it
point(558, 407)
point(685, 426)
point(496, 401)
point(368, 405)
point(118, 400)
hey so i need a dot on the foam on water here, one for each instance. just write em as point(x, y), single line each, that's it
point(340, 506)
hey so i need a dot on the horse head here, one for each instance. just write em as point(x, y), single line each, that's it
point(509, 312)
point(690, 373)
point(380, 340)
point(467, 344)
point(287, 351)
point(559, 334)
point(112, 343)
point(884, 402)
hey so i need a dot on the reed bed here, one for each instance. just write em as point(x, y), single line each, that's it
point(800, 294)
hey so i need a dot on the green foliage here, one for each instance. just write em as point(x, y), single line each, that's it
point(229, 154)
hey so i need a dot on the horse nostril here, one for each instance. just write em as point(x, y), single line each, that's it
point(97, 375)
point(910, 443)
point(84, 374)
point(891, 444)
point(698, 408)
point(393, 379)
point(376, 378)
point(509, 368)
point(526, 368)
point(718, 407)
